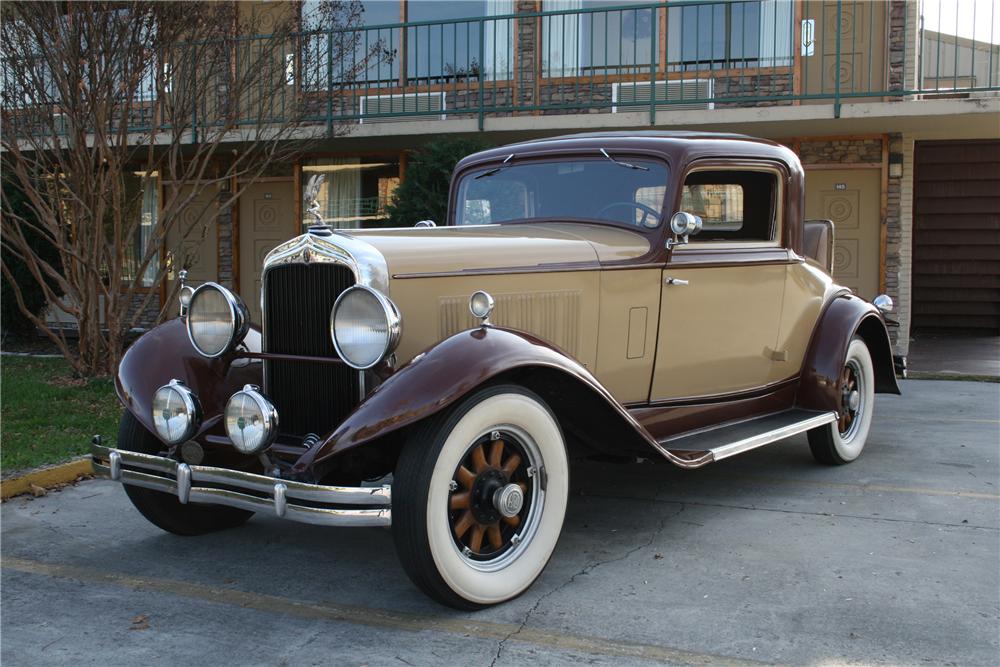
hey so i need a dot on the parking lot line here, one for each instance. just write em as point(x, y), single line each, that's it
point(383, 618)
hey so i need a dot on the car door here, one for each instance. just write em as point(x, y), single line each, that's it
point(721, 294)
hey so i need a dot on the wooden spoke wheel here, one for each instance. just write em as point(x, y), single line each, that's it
point(479, 495)
point(850, 399)
point(842, 441)
point(491, 496)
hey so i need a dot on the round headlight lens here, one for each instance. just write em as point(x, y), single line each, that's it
point(251, 420)
point(185, 296)
point(217, 320)
point(176, 412)
point(365, 327)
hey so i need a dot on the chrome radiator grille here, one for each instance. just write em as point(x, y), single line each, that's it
point(310, 397)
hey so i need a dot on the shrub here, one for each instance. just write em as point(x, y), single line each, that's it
point(423, 194)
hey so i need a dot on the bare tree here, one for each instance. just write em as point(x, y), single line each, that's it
point(100, 99)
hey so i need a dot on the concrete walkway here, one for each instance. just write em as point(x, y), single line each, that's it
point(955, 355)
point(767, 557)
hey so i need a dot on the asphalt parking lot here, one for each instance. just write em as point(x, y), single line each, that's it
point(764, 558)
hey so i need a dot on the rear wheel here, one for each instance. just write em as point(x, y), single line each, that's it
point(842, 441)
point(162, 509)
point(479, 495)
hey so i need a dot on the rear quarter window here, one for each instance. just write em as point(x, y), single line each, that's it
point(734, 205)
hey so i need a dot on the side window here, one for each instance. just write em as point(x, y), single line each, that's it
point(735, 205)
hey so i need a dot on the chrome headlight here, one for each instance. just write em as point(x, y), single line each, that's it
point(251, 420)
point(217, 320)
point(176, 412)
point(364, 326)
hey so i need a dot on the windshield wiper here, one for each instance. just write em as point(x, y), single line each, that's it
point(495, 169)
point(622, 163)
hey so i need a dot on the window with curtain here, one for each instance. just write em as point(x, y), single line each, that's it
point(610, 41)
point(454, 45)
point(355, 191)
point(738, 33)
point(616, 40)
point(148, 211)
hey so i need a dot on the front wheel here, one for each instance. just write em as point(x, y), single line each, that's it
point(163, 509)
point(479, 496)
point(843, 440)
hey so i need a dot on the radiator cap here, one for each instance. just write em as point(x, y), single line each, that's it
point(320, 230)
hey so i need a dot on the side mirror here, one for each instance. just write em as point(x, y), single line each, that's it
point(683, 225)
point(425, 223)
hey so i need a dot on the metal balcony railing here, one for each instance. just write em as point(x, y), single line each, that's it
point(644, 58)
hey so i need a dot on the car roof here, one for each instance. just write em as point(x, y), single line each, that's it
point(676, 146)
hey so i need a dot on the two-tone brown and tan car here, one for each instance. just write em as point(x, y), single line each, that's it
point(640, 295)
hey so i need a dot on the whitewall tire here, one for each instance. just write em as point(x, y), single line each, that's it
point(843, 441)
point(479, 497)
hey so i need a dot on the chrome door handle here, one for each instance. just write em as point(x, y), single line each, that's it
point(677, 281)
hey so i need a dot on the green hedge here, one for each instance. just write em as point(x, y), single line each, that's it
point(423, 194)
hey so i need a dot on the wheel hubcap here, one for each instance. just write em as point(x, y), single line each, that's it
point(491, 497)
point(509, 500)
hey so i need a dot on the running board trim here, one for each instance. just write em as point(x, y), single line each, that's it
point(802, 421)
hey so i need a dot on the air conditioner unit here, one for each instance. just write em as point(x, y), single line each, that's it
point(633, 97)
point(403, 103)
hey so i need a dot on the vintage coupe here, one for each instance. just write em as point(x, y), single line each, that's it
point(638, 295)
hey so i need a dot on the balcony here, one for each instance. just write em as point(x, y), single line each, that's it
point(648, 59)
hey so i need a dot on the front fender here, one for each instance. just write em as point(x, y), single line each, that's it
point(165, 353)
point(443, 374)
point(846, 316)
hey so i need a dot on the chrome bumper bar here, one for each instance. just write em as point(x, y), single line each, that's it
point(328, 505)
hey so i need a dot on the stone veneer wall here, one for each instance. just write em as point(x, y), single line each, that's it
point(895, 276)
point(846, 152)
point(224, 223)
point(147, 319)
point(841, 151)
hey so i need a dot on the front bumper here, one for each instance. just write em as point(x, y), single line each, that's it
point(296, 501)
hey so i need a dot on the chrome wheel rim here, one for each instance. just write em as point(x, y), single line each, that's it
point(483, 535)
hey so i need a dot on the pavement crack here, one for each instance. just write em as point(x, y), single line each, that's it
point(586, 569)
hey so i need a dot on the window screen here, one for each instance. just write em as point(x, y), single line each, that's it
point(733, 205)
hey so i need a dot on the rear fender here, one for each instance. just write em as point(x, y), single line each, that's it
point(846, 316)
point(445, 373)
point(165, 353)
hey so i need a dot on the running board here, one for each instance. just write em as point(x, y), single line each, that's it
point(721, 442)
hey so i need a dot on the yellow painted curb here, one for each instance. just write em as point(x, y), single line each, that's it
point(46, 478)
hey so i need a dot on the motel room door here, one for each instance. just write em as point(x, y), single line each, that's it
point(852, 199)
point(267, 218)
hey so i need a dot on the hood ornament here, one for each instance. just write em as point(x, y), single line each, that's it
point(310, 197)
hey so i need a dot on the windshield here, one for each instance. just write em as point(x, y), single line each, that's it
point(599, 189)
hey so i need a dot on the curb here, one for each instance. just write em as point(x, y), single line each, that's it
point(46, 477)
point(947, 375)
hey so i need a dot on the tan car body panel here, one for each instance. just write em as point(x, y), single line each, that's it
point(807, 290)
point(435, 250)
point(562, 309)
point(722, 340)
point(434, 271)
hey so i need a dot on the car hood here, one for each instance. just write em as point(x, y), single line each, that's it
point(484, 248)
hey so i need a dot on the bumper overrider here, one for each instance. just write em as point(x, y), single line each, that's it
point(287, 499)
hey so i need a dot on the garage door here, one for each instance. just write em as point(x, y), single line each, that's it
point(956, 236)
